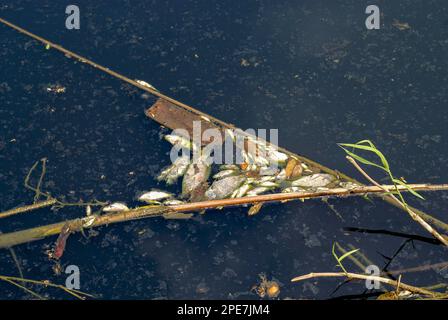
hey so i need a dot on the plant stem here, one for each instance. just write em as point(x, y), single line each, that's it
point(413, 215)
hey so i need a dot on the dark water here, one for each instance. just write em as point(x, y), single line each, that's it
point(313, 71)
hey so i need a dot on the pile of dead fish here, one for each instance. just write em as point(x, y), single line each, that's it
point(255, 176)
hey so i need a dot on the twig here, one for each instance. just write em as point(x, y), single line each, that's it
point(413, 215)
point(23, 209)
point(13, 280)
point(41, 178)
point(351, 275)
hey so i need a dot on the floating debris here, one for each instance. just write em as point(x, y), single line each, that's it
point(59, 247)
point(266, 287)
point(293, 169)
point(56, 89)
point(401, 25)
point(255, 209)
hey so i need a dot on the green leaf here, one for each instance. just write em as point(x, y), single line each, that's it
point(371, 148)
point(412, 191)
point(345, 255)
point(361, 159)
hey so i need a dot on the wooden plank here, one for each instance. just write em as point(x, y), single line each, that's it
point(174, 117)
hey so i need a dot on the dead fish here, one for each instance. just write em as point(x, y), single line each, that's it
point(241, 191)
point(229, 167)
point(256, 191)
point(349, 185)
point(88, 210)
point(281, 175)
point(173, 202)
point(268, 184)
point(293, 189)
point(174, 139)
point(154, 195)
point(268, 171)
point(116, 207)
point(225, 173)
point(197, 173)
point(176, 170)
point(223, 188)
point(276, 156)
point(314, 180)
point(145, 84)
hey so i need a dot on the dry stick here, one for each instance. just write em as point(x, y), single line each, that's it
point(156, 93)
point(413, 215)
point(23, 209)
point(28, 235)
point(349, 275)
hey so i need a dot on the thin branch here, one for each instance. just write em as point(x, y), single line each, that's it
point(27, 208)
point(413, 215)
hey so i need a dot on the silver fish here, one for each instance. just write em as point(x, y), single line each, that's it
point(176, 170)
point(276, 156)
point(314, 181)
point(145, 84)
point(225, 173)
point(257, 191)
point(223, 188)
point(173, 202)
point(241, 191)
point(229, 167)
point(116, 207)
point(349, 185)
point(268, 184)
point(293, 189)
point(154, 195)
point(281, 175)
point(174, 139)
point(268, 171)
point(197, 173)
